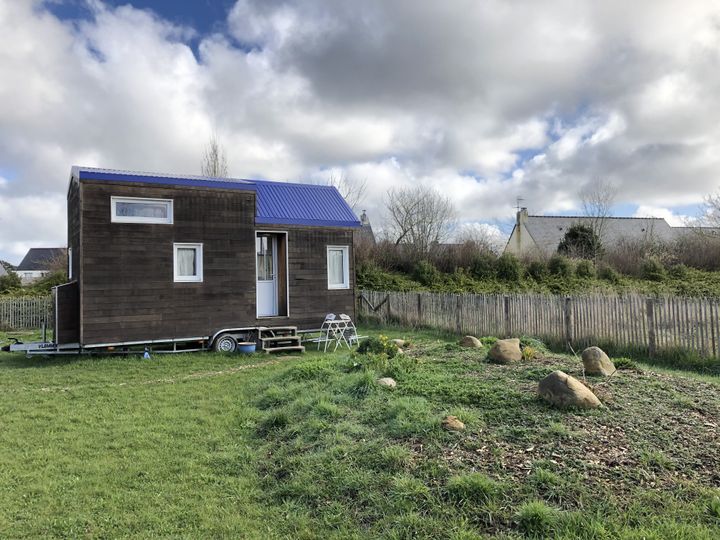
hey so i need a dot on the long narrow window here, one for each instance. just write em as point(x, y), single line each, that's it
point(188, 262)
point(138, 210)
point(338, 267)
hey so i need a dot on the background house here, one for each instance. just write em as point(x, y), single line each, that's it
point(540, 235)
point(40, 262)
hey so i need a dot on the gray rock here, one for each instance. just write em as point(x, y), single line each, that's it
point(562, 390)
point(470, 341)
point(505, 351)
point(452, 423)
point(596, 362)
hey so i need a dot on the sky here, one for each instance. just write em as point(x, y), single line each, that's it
point(485, 100)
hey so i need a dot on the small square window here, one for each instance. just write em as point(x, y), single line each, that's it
point(137, 210)
point(338, 267)
point(188, 262)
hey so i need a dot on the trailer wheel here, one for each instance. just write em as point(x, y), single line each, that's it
point(225, 344)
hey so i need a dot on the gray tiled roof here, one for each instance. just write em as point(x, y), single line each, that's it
point(548, 231)
point(40, 258)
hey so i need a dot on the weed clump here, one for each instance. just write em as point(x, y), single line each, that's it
point(475, 488)
point(378, 345)
point(536, 519)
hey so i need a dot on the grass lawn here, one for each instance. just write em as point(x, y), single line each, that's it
point(205, 445)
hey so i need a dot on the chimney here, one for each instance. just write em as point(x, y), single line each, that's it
point(364, 219)
point(522, 216)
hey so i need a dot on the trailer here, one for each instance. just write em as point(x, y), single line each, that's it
point(168, 262)
point(228, 340)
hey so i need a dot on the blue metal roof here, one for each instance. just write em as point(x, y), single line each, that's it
point(277, 203)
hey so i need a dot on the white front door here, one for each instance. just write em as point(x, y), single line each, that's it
point(267, 282)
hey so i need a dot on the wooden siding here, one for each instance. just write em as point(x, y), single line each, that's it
point(67, 321)
point(127, 288)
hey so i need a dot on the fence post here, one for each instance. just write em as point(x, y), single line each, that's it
point(567, 317)
point(419, 306)
point(458, 316)
point(649, 310)
point(506, 309)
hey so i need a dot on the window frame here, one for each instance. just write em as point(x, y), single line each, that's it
point(198, 247)
point(346, 267)
point(114, 218)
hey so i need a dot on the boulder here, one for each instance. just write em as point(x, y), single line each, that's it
point(399, 342)
point(562, 390)
point(387, 382)
point(452, 423)
point(505, 351)
point(470, 341)
point(596, 362)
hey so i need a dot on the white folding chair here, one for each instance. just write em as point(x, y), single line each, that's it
point(350, 334)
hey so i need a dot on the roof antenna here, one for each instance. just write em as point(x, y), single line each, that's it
point(518, 206)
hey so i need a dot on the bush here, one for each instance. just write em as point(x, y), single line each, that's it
point(608, 273)
point(9, 282)
point(537, 270)
point(652, 269)
point(378, 345)
point(426, 273)
point(483, 266)
point(585, 269)
point(508, 268)
point(679, 271)
point(560, 265)
point(580, 241)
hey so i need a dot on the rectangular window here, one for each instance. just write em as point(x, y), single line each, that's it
point(338, 267)
point(188, 262)
point(136, 210)
point(70, 268)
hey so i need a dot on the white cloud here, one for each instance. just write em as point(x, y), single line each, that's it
point(457, 96)
point(675, 220)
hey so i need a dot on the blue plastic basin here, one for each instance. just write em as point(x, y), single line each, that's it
point(246, 347)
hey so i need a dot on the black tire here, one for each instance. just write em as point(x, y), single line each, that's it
point(225, 343)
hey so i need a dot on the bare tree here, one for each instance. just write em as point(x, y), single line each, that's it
point(214, 161)
point(352, 189)
point(419, 216)
point(481, 236)
point(597, 199)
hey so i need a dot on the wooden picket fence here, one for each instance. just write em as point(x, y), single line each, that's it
point(26, 312)
point(645, 323)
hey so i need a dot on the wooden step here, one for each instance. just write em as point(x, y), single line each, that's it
point(276, 329)
point(281, 339)
point(294, 348)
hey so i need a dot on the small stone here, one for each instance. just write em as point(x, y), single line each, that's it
point(505, 351)
point(387, 382)
point(596, 362)
point(562, 390)
point(470, 341)
point(452, 423)
point(399, 342)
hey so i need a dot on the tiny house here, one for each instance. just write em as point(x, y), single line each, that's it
point(163, 258)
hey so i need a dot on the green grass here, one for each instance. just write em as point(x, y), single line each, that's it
point(206, 445)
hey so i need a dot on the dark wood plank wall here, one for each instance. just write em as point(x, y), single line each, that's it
point(127, 289)
point(74, 228)
point(67, 316)
point(310, 298)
